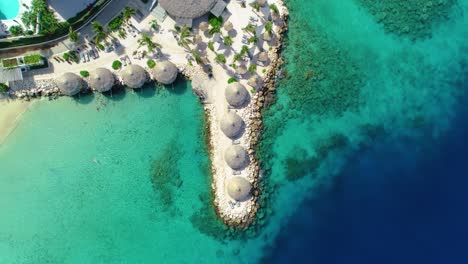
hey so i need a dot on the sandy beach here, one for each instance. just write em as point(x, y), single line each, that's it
point(11, 114)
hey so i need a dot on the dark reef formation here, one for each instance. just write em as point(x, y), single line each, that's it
point(412, 18)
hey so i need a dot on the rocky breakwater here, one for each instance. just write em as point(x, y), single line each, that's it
point(234, 212)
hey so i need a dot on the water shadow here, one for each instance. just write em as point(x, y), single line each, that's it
point(178, 87)
point(84, 98)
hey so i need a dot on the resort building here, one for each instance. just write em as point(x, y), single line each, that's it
point(185, 11)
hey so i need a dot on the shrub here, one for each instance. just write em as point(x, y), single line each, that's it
point(16, 30)
point(216, 23)
point(29, 32)
point(100, 46)
point(252, 68)
point(32, 59)
point(220, 58)
point(4, 88)
point(211, 45)
point(232, 80)
point(228, 41)
point(9, 63)
point(151, 63)
point(66, 56)
point(84, 73)
point(116, 23)
point(116, 65)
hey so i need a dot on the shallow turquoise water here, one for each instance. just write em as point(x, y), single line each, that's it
point(9, 9)
point(353, 76)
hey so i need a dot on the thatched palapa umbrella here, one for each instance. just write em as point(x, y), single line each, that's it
point(204, 26)
point(263, 56)
point(232, 125)
point(241, 69)
point(165, 72)
point(238, 188)
point(266, 36)
point(261, 2)
point(236, 157)
point(228, 26)
point(253, 81)
point(134, 76)
point(69, 84)
point(101, 80)
point(236, 94)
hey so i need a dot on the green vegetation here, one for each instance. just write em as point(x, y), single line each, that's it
point(127, 13)
point(244, 50)
point(10, 63)
point(116, 23)
point(154, 25)
point(99, 31)
point(32, 59)
point(4, 88)
point(196, 55)
point(73, 35)
point(62, 30)
point(251, 29)
point(84, 73)
point(253, 39)
point(220, 58)
point(269, 27)
point(232, 80)
point(184, 35)
point(237, 57)
point(211, 45)
point(151, 63)
point(116, 65)
point(216, 23)
point(274, 9)
point(40, 15)
point(70, 56)
point(255, 5)
point(228, 41)
point(252, 68)
point(146, 40)
point(16, 30)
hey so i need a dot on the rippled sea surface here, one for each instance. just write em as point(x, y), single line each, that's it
point(364, 152)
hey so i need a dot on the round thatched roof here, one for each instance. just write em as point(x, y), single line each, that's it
point(236, 157)
point(241, 69)
point(165, 72)
point(187, 8)
point(253, 81)
point(238, 188)
point(134, 76)
point(263, 56)
point(228, 26)
point(204, 26)
point(69, 83)
point(232, 125)
point(261, 2)
point(101, 80)
point(236, 94)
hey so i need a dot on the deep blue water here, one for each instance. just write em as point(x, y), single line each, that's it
point(405, 203)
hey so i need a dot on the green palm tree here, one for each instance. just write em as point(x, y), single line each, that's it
point(127, 13)
point(256, 6)
point(154, 25)
point(269, 27)
point(73, 35)
point(184, 37)
point(250, 28)
point(220, 58)
point(100, 33)
point(146, 40)
point(228, 41)
point(197, 57)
